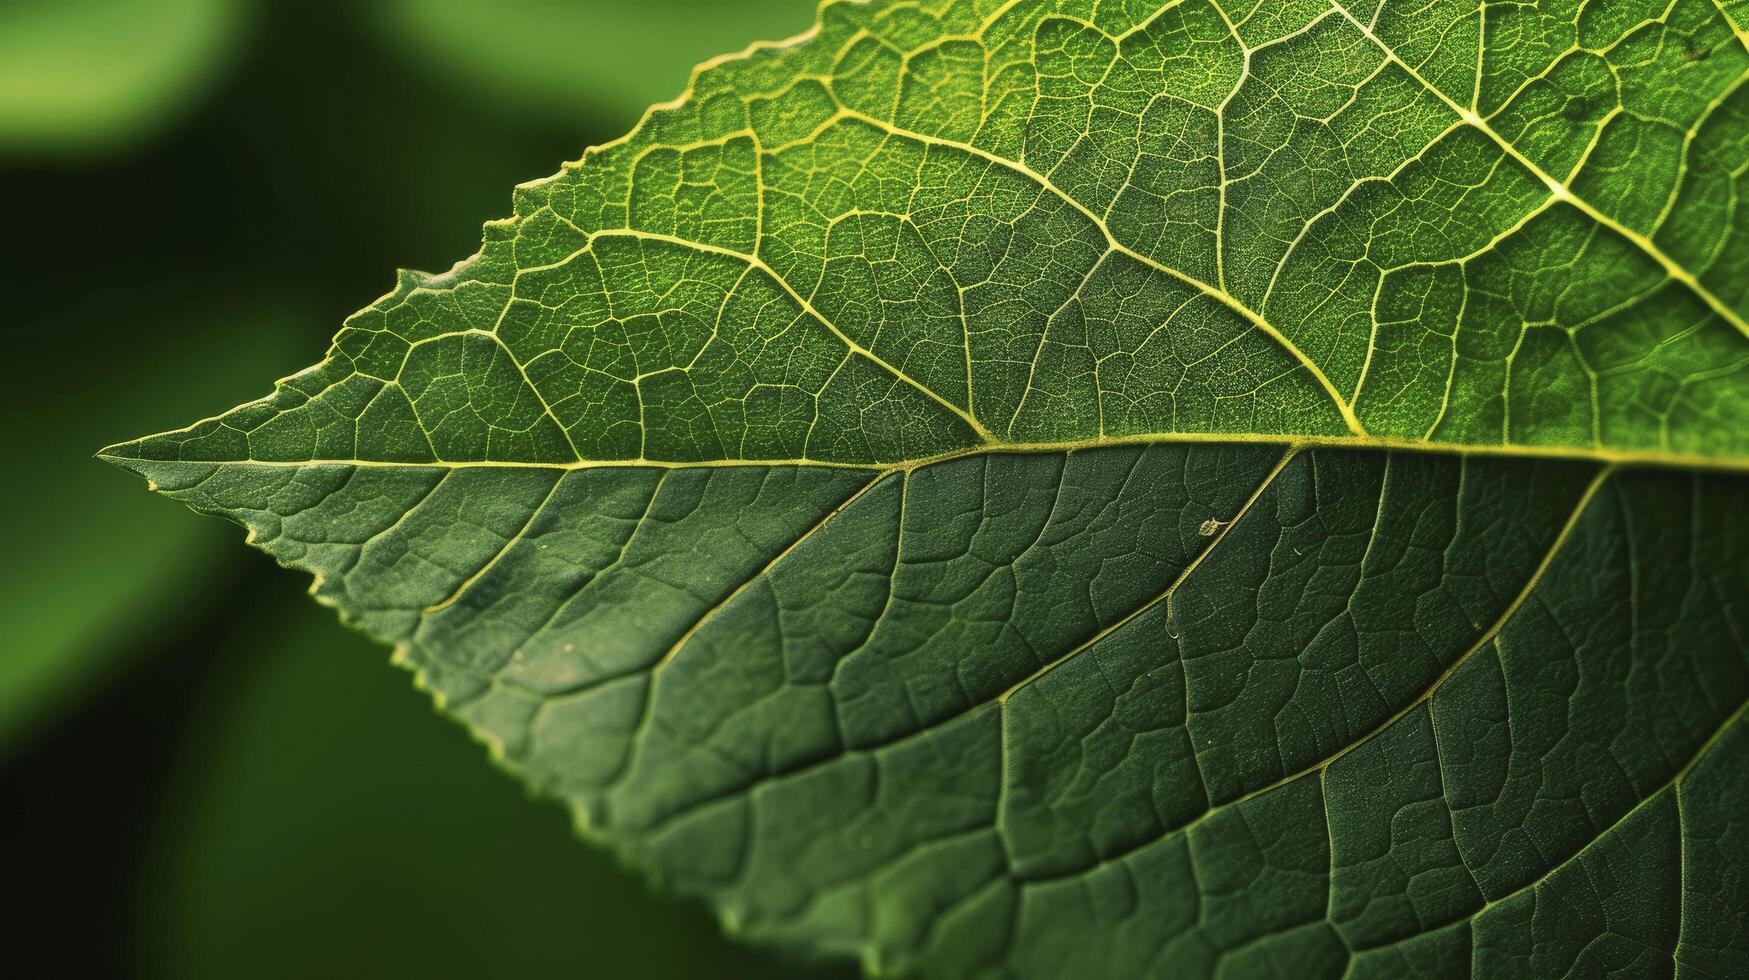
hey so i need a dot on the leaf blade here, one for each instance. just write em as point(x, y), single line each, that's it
point(760, 489)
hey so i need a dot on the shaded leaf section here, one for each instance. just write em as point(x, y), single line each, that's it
point(1396, 709)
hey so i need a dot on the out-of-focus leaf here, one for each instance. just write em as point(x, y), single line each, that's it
point(315, 799)
point(84, 75)
point(580, 58)
point(90, 571)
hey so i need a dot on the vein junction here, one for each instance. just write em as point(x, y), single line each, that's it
point(1071, 334)
point(1184, 650)
point(1037, 227)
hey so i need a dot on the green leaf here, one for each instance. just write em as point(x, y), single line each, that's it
point(1108, 490)
point(92, 75)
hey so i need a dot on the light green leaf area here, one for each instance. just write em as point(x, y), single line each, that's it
point(93, 74)
point(1097, 489)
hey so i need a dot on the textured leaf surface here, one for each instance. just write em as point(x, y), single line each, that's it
point(1097, 488)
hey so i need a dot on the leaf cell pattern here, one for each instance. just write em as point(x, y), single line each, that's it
point(1097, 488)
point(1021, 713)
point(936, 226)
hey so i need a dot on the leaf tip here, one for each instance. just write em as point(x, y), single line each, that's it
point(123, 454)
point(135, 457)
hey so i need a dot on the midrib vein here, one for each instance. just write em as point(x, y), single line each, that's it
point(1621, 457)
point(989, 443)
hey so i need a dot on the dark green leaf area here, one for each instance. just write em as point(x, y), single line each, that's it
point(1174, 709)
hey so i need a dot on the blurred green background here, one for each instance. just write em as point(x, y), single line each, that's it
point(201, 773)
